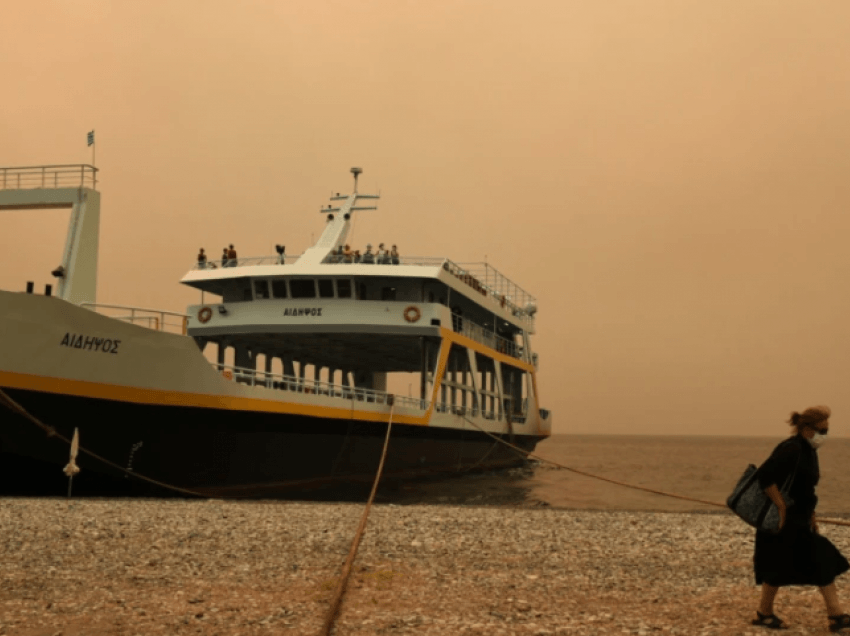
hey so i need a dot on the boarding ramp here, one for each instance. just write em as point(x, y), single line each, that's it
point(62, 186)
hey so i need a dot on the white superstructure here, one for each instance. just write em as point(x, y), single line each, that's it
point(463, 331)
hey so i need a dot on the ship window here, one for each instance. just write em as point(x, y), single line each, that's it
point(236, 290)
point(279, 288)
point(261, 289)
point(302, 287)
point(388, 293)
point(362, 294)
point(343, 288)
point(326, 288)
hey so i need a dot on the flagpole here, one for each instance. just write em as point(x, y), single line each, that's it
point(93, 146)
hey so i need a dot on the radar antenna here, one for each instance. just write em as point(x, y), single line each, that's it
point(356, 172)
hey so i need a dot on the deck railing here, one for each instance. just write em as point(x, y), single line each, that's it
point(251, 260)
point(485, 336)
point(58, 176)
point(253, 377)
point(474, 411)
point(482, 277)
point(155, 319)
point(488, 281)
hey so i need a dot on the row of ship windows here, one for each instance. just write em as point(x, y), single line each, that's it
point(262, 289)
point(299, 288)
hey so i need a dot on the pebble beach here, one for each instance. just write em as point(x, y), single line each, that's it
point(138, 567)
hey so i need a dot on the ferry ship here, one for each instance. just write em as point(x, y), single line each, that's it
point(277, 379)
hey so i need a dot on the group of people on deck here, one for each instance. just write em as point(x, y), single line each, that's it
point(381, 257)
point(228, 258)
point(341, 255)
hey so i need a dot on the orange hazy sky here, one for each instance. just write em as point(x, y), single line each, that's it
point(670, 179)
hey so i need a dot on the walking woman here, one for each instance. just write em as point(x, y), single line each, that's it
point(797, 554)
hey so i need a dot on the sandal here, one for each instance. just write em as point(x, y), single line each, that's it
point(772, 621)
point(839, 622)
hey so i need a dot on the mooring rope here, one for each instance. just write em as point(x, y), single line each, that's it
point(336, 602)
point(663, 493)
point(220, 493)
point(9, 403)
point(52, 432)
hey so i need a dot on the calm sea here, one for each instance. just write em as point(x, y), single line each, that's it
point(702, 467)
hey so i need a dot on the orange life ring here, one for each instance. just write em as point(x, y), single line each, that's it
point(412, 313)
point(204, 314)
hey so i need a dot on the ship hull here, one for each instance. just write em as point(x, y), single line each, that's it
point(218, 452)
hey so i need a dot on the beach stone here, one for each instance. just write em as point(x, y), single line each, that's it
point(103, 567)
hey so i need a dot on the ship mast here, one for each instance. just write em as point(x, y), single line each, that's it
point(339, 224)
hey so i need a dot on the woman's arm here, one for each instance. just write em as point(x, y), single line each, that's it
point(774, 495)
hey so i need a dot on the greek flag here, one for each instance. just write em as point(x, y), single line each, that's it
point(91, 138)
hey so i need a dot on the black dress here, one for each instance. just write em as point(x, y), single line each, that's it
point(796, 555)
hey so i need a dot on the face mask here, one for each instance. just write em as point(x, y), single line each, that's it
point(817, 440)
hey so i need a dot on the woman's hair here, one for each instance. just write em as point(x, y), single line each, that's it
point(809, 417)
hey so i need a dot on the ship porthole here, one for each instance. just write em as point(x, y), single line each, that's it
point(205, 314)
point(412, 313)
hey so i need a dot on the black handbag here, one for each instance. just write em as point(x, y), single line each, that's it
point(751, 504)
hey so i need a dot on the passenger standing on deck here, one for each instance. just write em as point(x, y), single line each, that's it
point(346, 254)
point(224, 258)
point(394, 256)
point(202, 259)
point(797, 554)
point(369, 256)
point(383, 259)
point(231, 257)
point(357, 256)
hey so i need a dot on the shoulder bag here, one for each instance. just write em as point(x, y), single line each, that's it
point(751, 504)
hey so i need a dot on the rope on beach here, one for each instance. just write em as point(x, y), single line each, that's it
point(330, 619)
point(622, 483)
